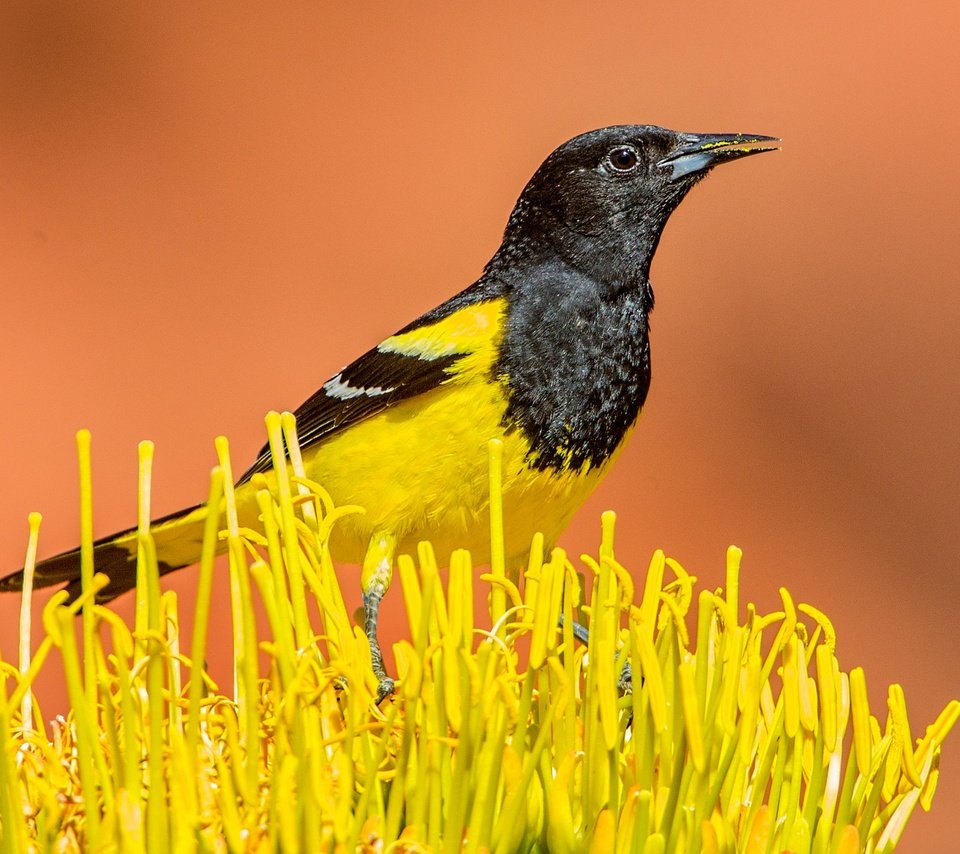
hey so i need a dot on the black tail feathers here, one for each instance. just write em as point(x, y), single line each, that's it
point(116, 557)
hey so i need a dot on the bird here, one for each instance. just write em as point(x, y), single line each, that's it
point(547, 351)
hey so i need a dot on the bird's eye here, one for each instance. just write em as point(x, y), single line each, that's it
point(623, 158)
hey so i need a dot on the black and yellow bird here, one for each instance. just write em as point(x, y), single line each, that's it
point(549, 351)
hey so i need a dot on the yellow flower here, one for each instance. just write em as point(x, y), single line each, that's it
point(730, 731)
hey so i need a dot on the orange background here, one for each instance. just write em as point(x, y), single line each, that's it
point(204, 213)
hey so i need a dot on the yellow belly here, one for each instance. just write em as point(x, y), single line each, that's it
point(420, 471)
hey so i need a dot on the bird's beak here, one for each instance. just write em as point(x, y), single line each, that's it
point(699, 152)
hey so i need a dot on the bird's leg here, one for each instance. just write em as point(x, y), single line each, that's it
point(375, 581)
point(582, 634)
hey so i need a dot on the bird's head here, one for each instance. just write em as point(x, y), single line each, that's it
point(601, 199)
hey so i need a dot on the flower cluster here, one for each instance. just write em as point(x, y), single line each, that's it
point(685, 722)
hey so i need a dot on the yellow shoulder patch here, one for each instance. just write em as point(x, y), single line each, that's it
point(468, 330)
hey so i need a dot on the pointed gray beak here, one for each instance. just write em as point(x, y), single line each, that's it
point(700, 152)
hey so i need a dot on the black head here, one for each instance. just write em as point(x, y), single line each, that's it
point(601, 199)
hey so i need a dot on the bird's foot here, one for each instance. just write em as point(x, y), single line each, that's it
point(625, 680)
point(386, 687)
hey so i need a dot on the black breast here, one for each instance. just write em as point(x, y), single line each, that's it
point(576, 361)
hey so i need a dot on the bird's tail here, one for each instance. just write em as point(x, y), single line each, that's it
point(178, 538)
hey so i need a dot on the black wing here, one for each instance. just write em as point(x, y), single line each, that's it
point(378, 379)
point(371, 384)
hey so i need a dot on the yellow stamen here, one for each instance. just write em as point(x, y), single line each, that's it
point(503, 735)
point(860, 705)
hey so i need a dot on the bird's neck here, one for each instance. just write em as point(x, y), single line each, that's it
point(615, 260)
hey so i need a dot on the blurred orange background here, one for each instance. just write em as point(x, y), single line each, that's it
point(205, 212)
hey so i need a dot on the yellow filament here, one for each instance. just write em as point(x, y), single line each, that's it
point(501, 736)
point(29, 563)
point(860, 707)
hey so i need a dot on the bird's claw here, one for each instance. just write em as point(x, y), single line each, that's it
point(386, 688)
point(625, 680)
